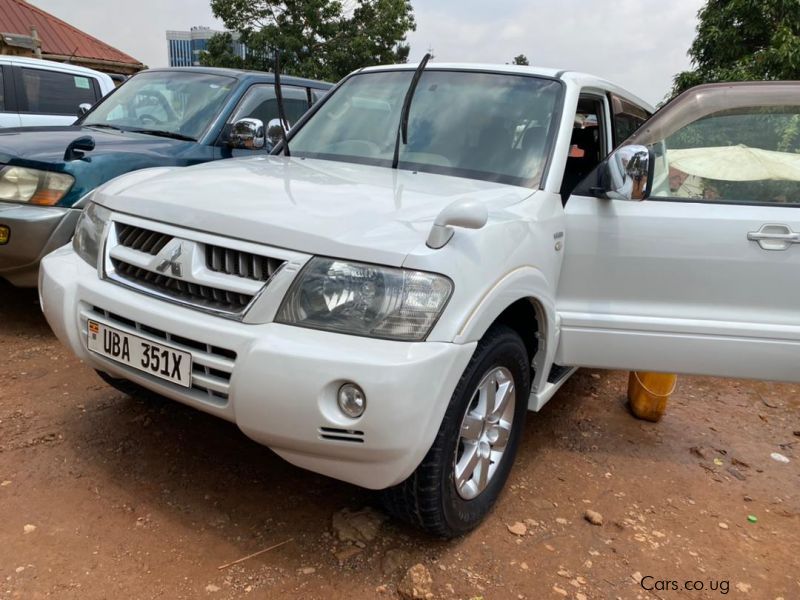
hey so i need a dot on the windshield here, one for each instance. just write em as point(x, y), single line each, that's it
point(178, 103)
point(488, 126)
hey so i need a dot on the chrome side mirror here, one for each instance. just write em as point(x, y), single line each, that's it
point(275, 132)
point(628, 171)
point(247, 134)
point(83, 108)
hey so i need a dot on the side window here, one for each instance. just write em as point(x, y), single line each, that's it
point(55, 93)
point(626, 118)
point(587, 145)
point(317, 95)
point(2, 92)
point(744, 155)
point(259, 102)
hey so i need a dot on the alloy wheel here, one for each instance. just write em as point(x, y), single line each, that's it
point(485, 431)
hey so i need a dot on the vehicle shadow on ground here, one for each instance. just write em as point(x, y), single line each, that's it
point(593, 416)
point(186, 465)
point(20, 312)
point(196, 467)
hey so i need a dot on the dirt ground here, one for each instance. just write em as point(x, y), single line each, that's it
point(105, 496)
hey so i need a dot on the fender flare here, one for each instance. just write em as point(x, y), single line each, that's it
point(524, 283)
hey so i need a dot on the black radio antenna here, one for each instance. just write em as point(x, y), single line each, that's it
point(279, 98)
point(402, 130)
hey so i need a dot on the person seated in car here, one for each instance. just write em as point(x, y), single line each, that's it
point(684, 185)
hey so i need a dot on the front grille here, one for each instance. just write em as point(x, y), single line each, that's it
point(212, 366)
point(210, 276)
point(143, 240)
point(241, 264)
point(183, 291)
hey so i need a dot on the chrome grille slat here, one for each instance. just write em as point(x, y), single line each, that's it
point(229, 257)
point(123, 234)
point(138, 236)
point(143, 240)
point(150, 242)
point(182, 291)
point(242, 264)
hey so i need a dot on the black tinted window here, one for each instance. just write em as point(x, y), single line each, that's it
point(54, 93)
point(625, 125)
point(627, 118)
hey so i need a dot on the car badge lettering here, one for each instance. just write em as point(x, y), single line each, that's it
point(172, 263)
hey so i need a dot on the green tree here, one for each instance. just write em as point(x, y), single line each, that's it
point(520, 59)
point(744, 40)
point(321, 39)
point(219, 53)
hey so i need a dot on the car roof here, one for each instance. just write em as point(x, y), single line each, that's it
point(574, 77)
point(254, 76)
point(50, 64)
point(495, 68)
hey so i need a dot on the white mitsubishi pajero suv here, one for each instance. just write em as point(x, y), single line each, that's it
point(430, 254)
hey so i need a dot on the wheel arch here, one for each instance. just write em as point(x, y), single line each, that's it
point(522, 301)
point(519, 316)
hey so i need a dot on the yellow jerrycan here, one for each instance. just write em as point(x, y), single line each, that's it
point(648, 394)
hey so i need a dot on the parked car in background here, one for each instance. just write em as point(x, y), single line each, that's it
point(160, 117)
point(385, 305)
point(42, 92)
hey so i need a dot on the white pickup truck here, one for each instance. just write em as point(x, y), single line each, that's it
point(431, 254)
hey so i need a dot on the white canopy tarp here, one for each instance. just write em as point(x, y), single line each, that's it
point(736, 163)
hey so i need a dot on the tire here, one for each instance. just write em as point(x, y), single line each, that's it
point(126, 387)
point(433, 498)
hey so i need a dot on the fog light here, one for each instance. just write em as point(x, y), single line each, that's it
point(5, 234)
point(352, 400)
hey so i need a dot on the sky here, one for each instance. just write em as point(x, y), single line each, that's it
point(638, 44)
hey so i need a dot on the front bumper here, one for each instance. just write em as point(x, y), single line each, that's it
point(283, 380)
point(35, 231)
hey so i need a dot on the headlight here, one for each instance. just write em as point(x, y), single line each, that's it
point(46, 188)
point(368, 300)
point(89, 232)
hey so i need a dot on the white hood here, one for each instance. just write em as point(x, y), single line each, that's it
point(345, 210)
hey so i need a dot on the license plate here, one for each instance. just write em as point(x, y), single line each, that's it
point(141, 354)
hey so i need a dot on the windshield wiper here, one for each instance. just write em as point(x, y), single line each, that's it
point(402, 130)
point(102, 126)
point(162, 133)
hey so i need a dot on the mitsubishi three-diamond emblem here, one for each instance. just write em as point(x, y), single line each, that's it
point(172, 263)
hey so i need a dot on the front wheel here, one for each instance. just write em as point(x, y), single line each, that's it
point(462, 475)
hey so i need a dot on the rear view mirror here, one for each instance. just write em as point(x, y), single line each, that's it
point(83, 108)
point(275, 132)
point(247, 134)
point(628, 173)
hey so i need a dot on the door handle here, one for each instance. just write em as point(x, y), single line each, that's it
point(774, 237)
